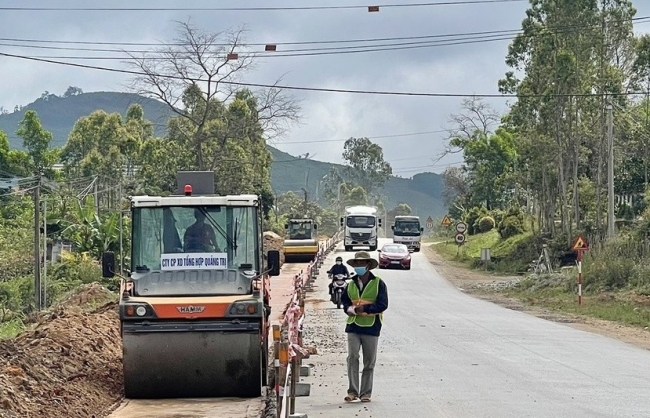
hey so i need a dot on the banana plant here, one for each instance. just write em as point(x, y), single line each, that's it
point(90, 232)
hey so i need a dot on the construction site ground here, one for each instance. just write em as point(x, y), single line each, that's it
point(69, 364)
point(477, 283)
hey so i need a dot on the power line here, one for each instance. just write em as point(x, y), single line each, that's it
point(329, 41)
point(440, 40)
point(418, 170)
point(314, 89)
point(380, 47)
point(369, 137)
point(243, 9)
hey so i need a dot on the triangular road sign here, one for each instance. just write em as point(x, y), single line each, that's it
point(446, 221)
point(580, 244)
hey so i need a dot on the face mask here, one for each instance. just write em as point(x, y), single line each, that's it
point(339, 263)
point(360, 270)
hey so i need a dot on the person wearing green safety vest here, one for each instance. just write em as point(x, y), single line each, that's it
point(364, 301)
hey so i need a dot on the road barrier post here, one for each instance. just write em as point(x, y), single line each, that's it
point(295, 371)
point(284, 362)
point(579, 277)
point(276, 364)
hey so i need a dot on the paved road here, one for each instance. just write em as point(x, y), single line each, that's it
point(446, 354)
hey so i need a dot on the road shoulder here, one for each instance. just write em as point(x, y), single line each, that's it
point(478, 284)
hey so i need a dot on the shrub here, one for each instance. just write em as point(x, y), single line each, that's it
point(512, 223)
point(510, 226)
point(498, 215)
point(486, 224)
point(473, 215)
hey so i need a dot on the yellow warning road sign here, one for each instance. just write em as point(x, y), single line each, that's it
point(446, 221)
point(580, 244)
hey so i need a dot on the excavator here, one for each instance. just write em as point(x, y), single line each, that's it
point(194, 307)
point(300, 243)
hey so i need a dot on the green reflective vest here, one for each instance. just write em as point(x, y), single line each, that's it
point(367, 297)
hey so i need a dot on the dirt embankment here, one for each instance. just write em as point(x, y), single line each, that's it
point(487, 287)
point(273, 241)
point(69, 364)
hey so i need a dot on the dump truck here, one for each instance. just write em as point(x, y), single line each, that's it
point(301, 243)
point(360, 227)
point(407, 231)
point(194, 306)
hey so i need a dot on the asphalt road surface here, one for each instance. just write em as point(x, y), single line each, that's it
point(446, 354)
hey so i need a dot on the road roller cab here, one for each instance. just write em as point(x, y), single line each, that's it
point(301, 243)
point(194, 311)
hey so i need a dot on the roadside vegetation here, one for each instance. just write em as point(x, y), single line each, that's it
point(536, 176)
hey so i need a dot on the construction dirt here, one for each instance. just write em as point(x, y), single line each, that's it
point(478, 283)
point(68, 364)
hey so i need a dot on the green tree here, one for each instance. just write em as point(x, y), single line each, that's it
point(228, 135)
point(108, 146)
point(558, 126)
point(366, 162)
point(490, 159)
point(36, 140)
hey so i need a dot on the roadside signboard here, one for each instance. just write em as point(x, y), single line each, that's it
point(460, 238)
point(580, 244)
point(446, 221)
point(429, 222)
point(461, 227)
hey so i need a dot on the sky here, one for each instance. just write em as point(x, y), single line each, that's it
point(411, 130)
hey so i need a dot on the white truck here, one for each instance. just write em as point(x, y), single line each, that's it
point(360, 225)
point(407, 231)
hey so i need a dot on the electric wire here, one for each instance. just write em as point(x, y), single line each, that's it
point(369, 137)
point(442, 40)
point(313, 89)
point(243, 9)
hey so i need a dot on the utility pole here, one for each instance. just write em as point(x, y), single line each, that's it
point(119, 207)
point(44, 297)
point(96, 194)
point(37, 244)
point(338, 197)
point(610, 170)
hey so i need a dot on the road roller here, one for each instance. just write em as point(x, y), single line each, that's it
point(194, 306)
point(300, 244)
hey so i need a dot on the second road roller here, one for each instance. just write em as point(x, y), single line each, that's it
point(301, 243)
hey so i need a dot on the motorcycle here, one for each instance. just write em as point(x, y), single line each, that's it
point(338, 287)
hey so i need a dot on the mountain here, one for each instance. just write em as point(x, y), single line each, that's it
point(59, 114)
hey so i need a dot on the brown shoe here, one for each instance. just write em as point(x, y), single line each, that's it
point(365, 398)
point(351, 397)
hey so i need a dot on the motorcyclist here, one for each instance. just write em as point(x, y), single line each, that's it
point(338, 268)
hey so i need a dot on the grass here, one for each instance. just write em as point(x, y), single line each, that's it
point(511, 255)
point(10, 329)
point(625, 307)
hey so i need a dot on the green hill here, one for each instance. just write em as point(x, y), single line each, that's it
point(422, 193)
point(59, 114)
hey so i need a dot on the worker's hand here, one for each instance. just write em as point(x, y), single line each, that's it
point(358, 310)
point(352, 310)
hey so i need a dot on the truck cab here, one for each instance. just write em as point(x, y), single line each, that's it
point(407, 231)
point(360, 225)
